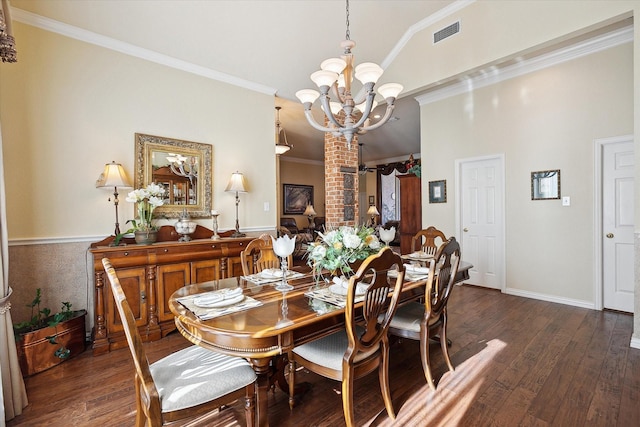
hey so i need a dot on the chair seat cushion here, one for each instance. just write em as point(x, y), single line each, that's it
point(194, 375)
point(409, 316)
point(329, 351)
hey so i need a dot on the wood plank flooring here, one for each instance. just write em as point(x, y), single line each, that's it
point(519, 362)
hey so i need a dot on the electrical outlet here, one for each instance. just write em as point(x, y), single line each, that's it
point(566, 201)
point(266, 206)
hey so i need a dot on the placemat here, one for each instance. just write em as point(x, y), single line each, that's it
point(210, 313)
point(259, 279)
point(324, 294)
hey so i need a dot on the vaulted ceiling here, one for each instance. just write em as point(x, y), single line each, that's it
point(272, 47)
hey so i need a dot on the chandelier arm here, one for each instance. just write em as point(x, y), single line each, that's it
point(324, 100)
point(335, 93)
point(382, 121)
point(313, 123)
point(367, 110)
point(361, 95)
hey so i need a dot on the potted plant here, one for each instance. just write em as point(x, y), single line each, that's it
point(147, 200)
point(47, 340)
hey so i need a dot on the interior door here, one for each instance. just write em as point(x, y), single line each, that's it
point(617, 225)
point(482, 220)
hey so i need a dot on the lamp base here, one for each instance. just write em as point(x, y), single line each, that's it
point(238, 234)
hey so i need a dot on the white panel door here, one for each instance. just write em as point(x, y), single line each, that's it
point(617, 225)
point(482, 220)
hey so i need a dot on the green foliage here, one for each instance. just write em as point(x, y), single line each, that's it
point(42, 318)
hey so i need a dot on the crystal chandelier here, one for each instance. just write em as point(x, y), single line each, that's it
point(335, 78)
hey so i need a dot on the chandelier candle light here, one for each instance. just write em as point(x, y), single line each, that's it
point(336, 75)
point(237, 184)
point(114, 176)
point(184, 166)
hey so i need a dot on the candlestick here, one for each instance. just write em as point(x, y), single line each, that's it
point(214, 215)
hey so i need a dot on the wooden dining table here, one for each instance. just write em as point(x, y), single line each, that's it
point(263, 334)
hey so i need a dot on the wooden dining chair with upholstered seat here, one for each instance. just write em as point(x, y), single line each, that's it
point(424, 321)
point(427, 240)
point(362, 346)
point(259, 255)
point(187, 383)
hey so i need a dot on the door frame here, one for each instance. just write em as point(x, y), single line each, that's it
point(598, 148)
point(458, 206)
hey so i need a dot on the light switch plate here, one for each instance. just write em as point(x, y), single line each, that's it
point(266, 206)
point(566, 201)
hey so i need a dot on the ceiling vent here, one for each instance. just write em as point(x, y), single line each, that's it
point(452, 29)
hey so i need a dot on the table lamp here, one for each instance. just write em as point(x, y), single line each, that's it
point(114, 176)
point(373, 211)
point(237, 184)
point(309, 212)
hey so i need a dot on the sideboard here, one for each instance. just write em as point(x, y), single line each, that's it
point(149, 274)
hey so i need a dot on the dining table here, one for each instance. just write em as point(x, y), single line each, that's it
point(248, 317)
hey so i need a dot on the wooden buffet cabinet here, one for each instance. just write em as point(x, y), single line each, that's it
point(149, 274)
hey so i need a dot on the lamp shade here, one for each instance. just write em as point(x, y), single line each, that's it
point(237, 183)
point(373, 210)
point(113, 175)
point(309, 211)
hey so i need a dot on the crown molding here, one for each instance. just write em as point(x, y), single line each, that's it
point(90, 37)
point(578, 50)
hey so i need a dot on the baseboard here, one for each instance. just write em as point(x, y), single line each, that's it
point(550, 298)
point(635, 342)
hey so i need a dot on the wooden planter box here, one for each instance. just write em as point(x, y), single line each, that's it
point(36, 353)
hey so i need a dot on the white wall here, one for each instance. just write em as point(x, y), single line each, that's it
point(69, 107)
point(540, 121)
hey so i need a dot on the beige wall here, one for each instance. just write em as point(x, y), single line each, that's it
point(296, 171)
point(68, 107)
point(544, 120)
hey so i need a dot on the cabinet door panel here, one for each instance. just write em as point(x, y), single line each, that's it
point(171, 277)
point(134, 285)
point(204, 271)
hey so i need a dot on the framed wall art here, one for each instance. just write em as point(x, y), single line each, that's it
point(545, 185)
point(438, 191)
point(296, 198)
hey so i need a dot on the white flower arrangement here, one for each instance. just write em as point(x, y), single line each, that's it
point(341, 247)
point(147, 200)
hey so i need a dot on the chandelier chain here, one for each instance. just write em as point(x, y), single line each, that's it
point(348, 33)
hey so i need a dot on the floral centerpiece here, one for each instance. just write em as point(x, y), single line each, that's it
point(339, 248)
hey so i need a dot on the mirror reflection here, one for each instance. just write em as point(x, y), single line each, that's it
point(183, 168)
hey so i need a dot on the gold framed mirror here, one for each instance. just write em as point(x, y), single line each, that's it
point(183, 168)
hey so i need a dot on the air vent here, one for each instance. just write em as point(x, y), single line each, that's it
point(446, 32)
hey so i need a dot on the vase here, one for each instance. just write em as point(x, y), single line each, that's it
point(146, 237)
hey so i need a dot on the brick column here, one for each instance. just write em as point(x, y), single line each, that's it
point(340, 181)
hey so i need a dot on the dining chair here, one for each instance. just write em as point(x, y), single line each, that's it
point(259, 255)
point(363, 346)
point(424, 321)
point(433, 238)
point(188, 383)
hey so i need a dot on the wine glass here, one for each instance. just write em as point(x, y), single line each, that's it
point(283, 247)
point(387, 235)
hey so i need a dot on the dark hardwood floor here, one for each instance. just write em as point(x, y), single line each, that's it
point(519, 362)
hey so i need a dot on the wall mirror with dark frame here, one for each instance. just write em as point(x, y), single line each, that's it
point(183, 168)
point(545, 185)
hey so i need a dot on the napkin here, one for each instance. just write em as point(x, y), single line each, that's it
point(271, 272)
point(416, 269)
point(342, 281)
point(217, 296)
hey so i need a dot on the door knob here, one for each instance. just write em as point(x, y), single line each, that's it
point(465, 229)
point(609, 235)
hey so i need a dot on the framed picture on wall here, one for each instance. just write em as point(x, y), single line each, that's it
point(296, 198)
point(438, 191)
